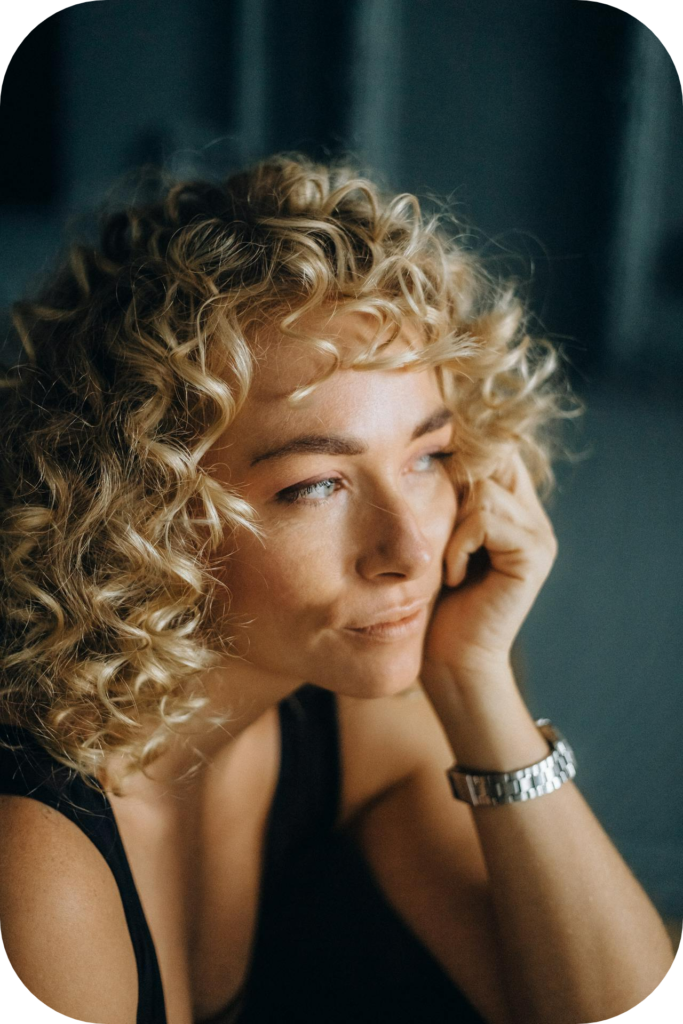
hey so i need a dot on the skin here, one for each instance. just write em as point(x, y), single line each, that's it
point(370, 539)
point(329, 560)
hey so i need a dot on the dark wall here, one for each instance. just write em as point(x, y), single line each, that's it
point(32, 164)
point(531, 138)
point(555, 128)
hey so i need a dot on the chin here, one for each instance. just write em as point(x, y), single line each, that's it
point(375, 686)
point(364, 671)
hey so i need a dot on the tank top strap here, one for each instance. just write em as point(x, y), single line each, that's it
point(307, 796)
point(29, 770)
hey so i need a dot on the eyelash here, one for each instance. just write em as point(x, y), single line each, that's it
point(295, 495)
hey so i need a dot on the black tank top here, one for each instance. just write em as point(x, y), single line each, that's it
point(328, 946)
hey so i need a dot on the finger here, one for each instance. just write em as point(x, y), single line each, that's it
point(490, 496)
point(516, 548)
point(511, 471)
point(513, 475)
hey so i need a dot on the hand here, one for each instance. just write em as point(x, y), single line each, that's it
point(477, 616)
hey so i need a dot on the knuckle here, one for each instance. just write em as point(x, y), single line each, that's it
point(488, 491)
point(484, 516)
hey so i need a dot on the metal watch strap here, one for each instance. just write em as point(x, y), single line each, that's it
point(493, 788)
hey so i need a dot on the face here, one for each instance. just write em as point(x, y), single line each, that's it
point(356, 526)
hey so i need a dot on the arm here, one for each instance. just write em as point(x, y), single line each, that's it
point(579, 938)
point(574, 937)
point(63, 926)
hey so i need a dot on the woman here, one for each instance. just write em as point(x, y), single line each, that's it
point(270, 467)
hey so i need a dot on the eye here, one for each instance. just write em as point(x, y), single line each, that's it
point(300, 495)
point(294, 495)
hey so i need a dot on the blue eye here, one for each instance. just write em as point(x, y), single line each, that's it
point(294, 495)
point(313, 493)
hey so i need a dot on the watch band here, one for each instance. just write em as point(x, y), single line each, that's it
point(493, 788)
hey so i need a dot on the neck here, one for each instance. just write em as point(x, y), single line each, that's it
point(202, 748)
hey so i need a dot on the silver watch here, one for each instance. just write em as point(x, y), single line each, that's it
point(493, 788)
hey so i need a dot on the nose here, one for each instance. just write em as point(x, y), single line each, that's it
point(392, 542)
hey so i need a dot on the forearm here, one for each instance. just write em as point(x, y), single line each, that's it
point(579, 938)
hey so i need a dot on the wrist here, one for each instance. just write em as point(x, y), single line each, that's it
point(488, 725)
point(471, 664)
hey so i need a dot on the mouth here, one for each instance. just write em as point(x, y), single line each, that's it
point(391, 630)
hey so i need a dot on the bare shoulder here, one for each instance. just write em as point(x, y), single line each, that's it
point(63, 925)
point(384, 741)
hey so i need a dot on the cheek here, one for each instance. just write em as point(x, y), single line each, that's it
point(454, 508)
point(291, 575)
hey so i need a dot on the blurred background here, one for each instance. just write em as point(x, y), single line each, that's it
point(553, 129)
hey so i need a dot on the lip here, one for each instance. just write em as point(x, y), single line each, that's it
point(393, 629)
point(395, 614)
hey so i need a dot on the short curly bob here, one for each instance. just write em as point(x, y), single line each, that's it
point(139, 353)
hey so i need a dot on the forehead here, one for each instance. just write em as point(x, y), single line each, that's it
point(377, 403)
point(285, 364)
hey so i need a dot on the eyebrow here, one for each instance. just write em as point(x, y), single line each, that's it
point(338, 444)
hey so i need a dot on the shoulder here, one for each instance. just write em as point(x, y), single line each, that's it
point(63, 925)
point(384, 741)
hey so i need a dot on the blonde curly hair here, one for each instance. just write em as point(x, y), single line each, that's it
point(139, 353)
